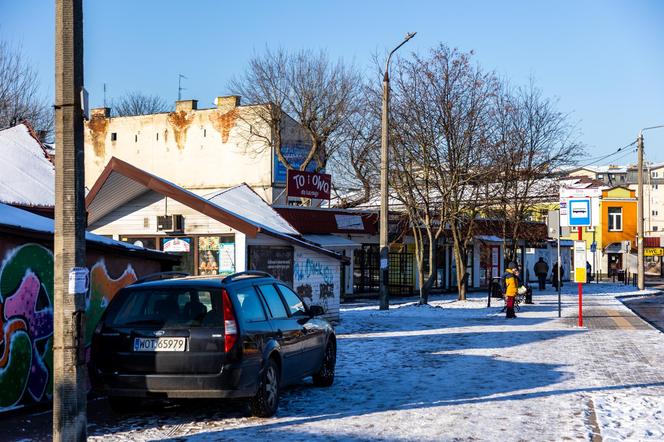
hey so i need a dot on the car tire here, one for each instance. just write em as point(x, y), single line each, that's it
point(325, 376)
point(266, 401)
point(121, 404)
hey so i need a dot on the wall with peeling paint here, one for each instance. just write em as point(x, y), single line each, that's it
point(26, 313)
point(202, 150)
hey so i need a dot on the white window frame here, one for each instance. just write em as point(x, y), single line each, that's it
point(617, 219)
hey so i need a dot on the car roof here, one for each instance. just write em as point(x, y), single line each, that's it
point(209, 281)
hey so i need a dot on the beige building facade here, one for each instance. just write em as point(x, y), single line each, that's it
point(202, 150)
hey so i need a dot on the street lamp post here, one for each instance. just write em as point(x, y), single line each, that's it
point(641, 282)
point(384, 161)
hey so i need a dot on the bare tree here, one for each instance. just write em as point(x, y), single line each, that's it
point(305, 86)
point(443, 106)
point(19, 93)
point(533, 141)
point(138, 103)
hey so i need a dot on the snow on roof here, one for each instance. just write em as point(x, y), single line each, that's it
point(28, 177)
point(22, 219)
point(244, 202)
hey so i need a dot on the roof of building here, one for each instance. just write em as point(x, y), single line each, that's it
point(308, 220)
point(28, 176)
point(239, 208)
point(21, 221)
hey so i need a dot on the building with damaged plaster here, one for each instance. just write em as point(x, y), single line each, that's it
point(202, 150)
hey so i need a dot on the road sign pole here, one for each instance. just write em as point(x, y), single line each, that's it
point(580, 285)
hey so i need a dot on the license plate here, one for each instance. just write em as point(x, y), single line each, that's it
point(160, 344)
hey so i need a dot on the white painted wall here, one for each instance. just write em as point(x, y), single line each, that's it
point(315, 271)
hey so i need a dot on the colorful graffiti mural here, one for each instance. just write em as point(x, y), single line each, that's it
point(26, 320)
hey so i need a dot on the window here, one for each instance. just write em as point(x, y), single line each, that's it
point(204, 133)
point(615, 219)
point(654, 212)
point(654, 228)
point(114, 136)
point(250, 303)
point(654, 174)
point(273, 300)
point(622, 178)
point(157, 136)
point(293, 301)
point(135, 138)
point(166, 307)
point(600, 176)
point(655, 187)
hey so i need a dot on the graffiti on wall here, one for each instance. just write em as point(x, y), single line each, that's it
point(314, 279)
point(26, 320)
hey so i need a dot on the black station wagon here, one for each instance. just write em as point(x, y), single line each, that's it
point(242, 336)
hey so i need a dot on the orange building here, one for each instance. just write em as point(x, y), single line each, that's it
point(618, 227)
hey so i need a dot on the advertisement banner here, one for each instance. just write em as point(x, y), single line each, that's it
point(295, 154)
point(303, 184)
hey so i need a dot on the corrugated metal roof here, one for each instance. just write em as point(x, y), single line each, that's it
point(309, 220)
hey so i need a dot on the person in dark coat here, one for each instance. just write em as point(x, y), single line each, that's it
point(554, 275)
point(541, 270)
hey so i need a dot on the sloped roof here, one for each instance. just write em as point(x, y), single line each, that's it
point(239, 208)
point(309, 220)
point(243, 201)
point(28, 177)
point(30, 223)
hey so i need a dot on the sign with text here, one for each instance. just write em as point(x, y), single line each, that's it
point(580, 259)
point(653, 251)
point(579, 212)
point(302, 184)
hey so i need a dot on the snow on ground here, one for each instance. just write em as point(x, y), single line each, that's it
point(454, 371)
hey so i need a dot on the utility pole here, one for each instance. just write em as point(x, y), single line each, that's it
point(641, 282)
point(384, 292)
point(69, 370)
point(639, 225)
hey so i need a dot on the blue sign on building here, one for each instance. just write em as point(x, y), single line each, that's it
point(579, 212)
point(295, 154)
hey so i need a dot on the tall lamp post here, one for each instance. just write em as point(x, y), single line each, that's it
point(639, 225)
point(384, 160)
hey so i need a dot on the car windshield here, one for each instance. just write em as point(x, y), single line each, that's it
point(166, 307)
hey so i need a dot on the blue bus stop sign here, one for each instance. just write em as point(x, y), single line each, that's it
point(579, 212)
point(593, 247)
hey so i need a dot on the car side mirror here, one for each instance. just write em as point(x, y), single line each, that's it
point(316, 310)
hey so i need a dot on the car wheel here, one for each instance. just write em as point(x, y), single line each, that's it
point(121, 404)
point(266, 401)
point(325, 376)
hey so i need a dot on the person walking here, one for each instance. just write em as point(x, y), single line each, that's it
point(541, 270)
point(557, 269)
point(510, 288)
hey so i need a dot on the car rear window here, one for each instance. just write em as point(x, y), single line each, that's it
point(274, 302)
point(166, 307)
point(250, 304)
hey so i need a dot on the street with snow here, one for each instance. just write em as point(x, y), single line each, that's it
point(452, 371)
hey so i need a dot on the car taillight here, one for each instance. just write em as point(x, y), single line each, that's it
point(230, 324)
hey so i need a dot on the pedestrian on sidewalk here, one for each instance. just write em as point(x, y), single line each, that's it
point(541, 270)
point(510, 288)
point(557, 269)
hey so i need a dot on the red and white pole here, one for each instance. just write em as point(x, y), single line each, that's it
point(580, 284)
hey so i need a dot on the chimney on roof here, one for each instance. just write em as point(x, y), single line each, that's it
point(227, 103)
point(103, 112)
point(186, 105)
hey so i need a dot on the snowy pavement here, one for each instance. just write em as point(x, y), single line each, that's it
point(455, 371)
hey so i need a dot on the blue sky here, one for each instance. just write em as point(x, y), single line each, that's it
point(603, 60)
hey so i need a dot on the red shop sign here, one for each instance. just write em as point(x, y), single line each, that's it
point(302, 184)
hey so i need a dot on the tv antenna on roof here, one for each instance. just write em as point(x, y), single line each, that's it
point(180, 88)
